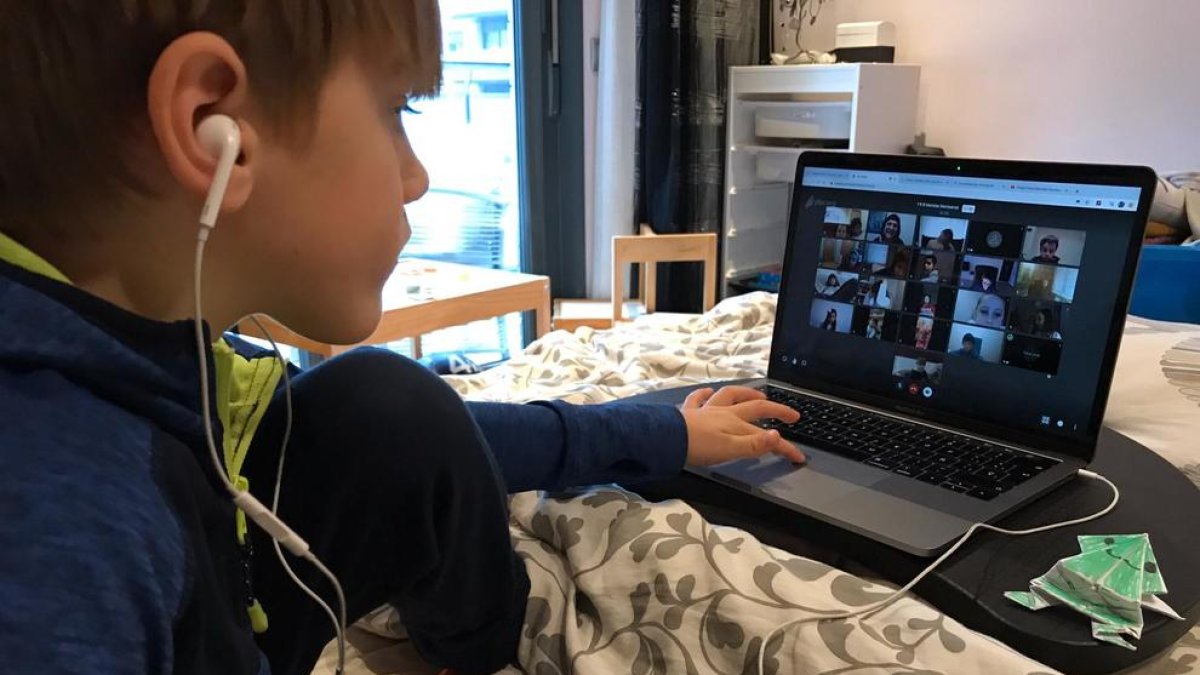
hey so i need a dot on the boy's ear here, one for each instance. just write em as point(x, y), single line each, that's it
point(197, 75)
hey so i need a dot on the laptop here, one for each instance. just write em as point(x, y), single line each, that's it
point(948, 330)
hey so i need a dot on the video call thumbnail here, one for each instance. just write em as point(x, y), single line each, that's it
point(841, 254)
point(1032, 353)
point(1038, 318)
point(836, 285)
point(974, 342)
point(936, 267)
point(930, 300)
point(1047, 282)
point(995, 239)
point(981, 309)
point(888, 260)
point(943, 234)
point(917, 370)
point(880, 292)
point(875, 324)
point(988, 275)
point(845, 223)
point(923, 332)
point(831, 316)
point(886, 227)
point(1053, 246)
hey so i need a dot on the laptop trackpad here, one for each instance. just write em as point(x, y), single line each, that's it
point(855, 501)
point(795, 484)
point(749, 474)
point(816, 490)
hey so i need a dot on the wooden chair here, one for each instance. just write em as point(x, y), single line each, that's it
point(647, 249)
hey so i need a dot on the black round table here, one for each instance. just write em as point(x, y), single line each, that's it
point(1156, 498)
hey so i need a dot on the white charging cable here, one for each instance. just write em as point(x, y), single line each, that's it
point(867, 611)
point(280, 533)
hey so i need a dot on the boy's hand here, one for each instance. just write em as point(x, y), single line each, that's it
point(720, 426)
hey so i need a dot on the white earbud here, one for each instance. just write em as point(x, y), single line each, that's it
point(221, 137)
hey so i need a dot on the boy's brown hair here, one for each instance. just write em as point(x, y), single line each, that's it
point(73, 76)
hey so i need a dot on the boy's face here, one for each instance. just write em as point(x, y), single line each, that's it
point(326, 219)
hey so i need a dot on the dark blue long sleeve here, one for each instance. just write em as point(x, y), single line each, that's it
point(555, 445)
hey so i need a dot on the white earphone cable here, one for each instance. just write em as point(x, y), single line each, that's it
point(267, 520)
point(202, 353)
point(339, 621)
point(867, 611)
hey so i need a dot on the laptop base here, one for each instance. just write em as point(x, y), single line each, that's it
point(904, 513)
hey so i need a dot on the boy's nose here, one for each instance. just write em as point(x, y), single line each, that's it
point(416, 181)
point(413, 176)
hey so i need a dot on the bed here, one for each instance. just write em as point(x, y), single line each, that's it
point(621, 584)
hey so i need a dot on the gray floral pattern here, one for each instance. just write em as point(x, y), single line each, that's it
point(622, 585)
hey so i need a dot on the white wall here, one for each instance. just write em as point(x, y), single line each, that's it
point(1078, 80)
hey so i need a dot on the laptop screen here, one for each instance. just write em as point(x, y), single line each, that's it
point(955, 296)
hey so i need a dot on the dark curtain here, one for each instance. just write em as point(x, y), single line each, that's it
point(685, 49)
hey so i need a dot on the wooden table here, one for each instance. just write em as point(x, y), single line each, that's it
point(423, 296)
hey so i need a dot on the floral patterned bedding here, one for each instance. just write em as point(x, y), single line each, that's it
point(622, 585)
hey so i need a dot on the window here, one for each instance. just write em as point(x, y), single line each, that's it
point(493, 31)
point(472, 212)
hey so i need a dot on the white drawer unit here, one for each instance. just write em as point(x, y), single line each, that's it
point(775, 165)
point(816, 120)
point(774, 114)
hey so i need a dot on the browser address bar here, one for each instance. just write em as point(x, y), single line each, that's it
point(865, 185)
point(964, 187)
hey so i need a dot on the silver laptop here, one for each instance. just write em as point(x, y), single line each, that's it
point(948, 330)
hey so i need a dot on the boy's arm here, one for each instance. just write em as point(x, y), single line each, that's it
point(553, 445)
point(78, 594)
point(92, 559)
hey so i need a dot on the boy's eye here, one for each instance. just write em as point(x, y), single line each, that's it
point(397, 113)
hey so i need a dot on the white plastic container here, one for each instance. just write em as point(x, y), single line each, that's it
point(865, 34)
point(825, 120)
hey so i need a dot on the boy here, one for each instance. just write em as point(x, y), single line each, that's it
point(968, 348)
point(121, 552)
point(1047, 250)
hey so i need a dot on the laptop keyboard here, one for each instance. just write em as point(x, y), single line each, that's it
point(951, 461)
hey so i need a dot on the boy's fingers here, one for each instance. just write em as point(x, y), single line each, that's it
point(697, 398)
point(788, 451)
point(750, 444)
point(763, 442)
point(764, 409)
point(735, 394)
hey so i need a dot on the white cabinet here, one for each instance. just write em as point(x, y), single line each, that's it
point(777, 112)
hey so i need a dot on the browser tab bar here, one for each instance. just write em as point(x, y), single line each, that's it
point(1076, 195)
